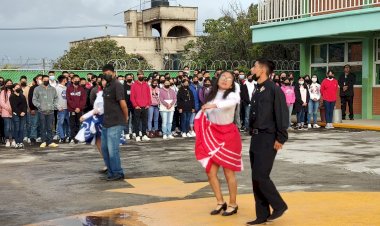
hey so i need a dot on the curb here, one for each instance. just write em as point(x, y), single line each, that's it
point(353, 126)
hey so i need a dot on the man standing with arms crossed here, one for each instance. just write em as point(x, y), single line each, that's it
point(269, 120)
point(114, 121)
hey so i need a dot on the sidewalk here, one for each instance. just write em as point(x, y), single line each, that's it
point(360, 124)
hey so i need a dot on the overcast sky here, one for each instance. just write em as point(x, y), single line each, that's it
point(52, 43)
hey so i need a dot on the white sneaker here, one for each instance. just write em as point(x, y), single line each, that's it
point(192, 133)
point(331, 126)
point(39, 140)
point(7, 144)
point(28, 141)
point(145, 138)
point(140, 134)
point(170, 137)
point(56, 137)
point(184, 135)
point(21, 146)
point(327, 126)
point(43, 145)
point(165, 137)
point(127, 137)
point(134, 135)
point(53, 145)
point(13, 144)
point(316, 126)
point(25, 139)
point(189, 135)
point(138, 139)
point(309, 126)
point(16, 146)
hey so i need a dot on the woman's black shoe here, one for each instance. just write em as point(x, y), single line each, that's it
point(234, 211)
point(217, 211)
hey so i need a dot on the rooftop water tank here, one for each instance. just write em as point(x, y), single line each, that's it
point(157, 3)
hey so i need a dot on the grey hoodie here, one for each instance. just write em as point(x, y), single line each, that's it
point(45, 99)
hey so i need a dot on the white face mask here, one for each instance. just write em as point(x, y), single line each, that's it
point(242, 76)
point(52, 77)
point(121, 81)
point(301, 82)
point(314, 79)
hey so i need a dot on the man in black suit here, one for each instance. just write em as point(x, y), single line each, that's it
point(346, 84)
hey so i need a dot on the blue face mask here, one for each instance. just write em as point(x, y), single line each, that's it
point(52, 77)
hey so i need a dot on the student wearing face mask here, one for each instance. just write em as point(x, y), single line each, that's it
point(205, 91)
point(194, 87)
point(19, 108)
point(302, 100)
point(33, 118)
point(247, 91)
point(2, 139)
point(45, 99)
point(315, 96)
point(76, 102)
point(168, 101)
point(329, 89)
point(153, 113)
point(6, 113)
point(290, 97)
point(276, 80)
point(141, 101)
point(186, 106)
point(127, 92)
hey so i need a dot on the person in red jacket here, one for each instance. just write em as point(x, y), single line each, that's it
point(141, 101)
point(76, 102)
point(329, 89)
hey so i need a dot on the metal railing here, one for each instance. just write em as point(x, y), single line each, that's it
point(280, 10)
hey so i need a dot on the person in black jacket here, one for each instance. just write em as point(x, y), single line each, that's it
point(246, 93)
point(186, 106)
point(19, 110)
point(33, 111)
point(346, 83)
point(302, 100)
point(127, 92)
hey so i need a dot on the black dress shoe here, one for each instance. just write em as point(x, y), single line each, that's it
point(217, 211)
point(234, 211)
point(277, 214)
point(256, 222)
point(352, 119)
point(103, 171)
point(116, 178)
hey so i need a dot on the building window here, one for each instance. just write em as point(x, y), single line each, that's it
point(334, 56)
point(319, 53)
point(336, 52)
point(377, 63)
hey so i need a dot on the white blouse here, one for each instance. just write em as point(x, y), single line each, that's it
point(224, 114)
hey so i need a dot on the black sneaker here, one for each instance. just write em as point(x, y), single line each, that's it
point(115, 178)
point(33, 141)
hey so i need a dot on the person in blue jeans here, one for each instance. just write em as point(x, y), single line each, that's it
point(114, 121)
point(63, 116)
point(186, 106)
point(153, 112)
point(194, 87)
point(19, 109)
point(33, 114)
point(168, 100)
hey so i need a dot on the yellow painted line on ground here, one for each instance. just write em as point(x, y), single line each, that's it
point(167, 187)
point(305, 208)
point(353, 126)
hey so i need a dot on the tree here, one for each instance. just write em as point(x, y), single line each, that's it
point(229, 39)
point(92, 55)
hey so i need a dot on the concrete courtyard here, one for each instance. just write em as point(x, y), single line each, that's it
point(328, 178)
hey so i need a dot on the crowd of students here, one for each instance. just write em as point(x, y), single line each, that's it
point(159, 105)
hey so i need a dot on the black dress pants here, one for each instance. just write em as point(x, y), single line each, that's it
point(74, 123)
point(262, 156)
point(350, 101)
point(140, 116)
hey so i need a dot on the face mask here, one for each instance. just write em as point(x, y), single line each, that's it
point(129, 80)
point(89, 80)
point(207, 85)
point(276, 80)
point(162, 81)
point(200, 79)
point(331, 77)
point(46, 83)
point(250, 80)
point(76, 83)
point(154, 86)
point(9, 87)
point(196, 82)
point(167, 86)
point(108, 78)
point(241, 77)
point(83, 85)
point(18, 90)
point(314, 79)
point(1, 83)
point(287, 84)
point(308, 81)
point(301, 82)
point(283, 78)
point(185, 86)
point(141, 79)
point(23, 84)
point(121, 81)
point(171, 84)
point(52, 77)
point(291, 79)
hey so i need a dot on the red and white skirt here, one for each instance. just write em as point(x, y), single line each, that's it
point(219, 144)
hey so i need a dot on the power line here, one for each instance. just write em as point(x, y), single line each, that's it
point(58, 27)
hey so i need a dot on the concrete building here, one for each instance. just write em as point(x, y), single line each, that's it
point(157, 34)
point(331, 33)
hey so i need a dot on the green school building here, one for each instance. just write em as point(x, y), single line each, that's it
point(331, 34)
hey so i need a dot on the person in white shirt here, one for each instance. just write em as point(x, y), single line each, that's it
point(247, 91)
point(315, 96)
point(224, 148)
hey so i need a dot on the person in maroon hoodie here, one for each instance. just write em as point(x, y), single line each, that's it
point(76, 102)
point(141, 101)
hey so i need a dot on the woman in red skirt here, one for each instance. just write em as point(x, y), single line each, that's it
point(218, 142)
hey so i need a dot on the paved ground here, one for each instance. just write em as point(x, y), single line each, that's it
point(40, 185)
